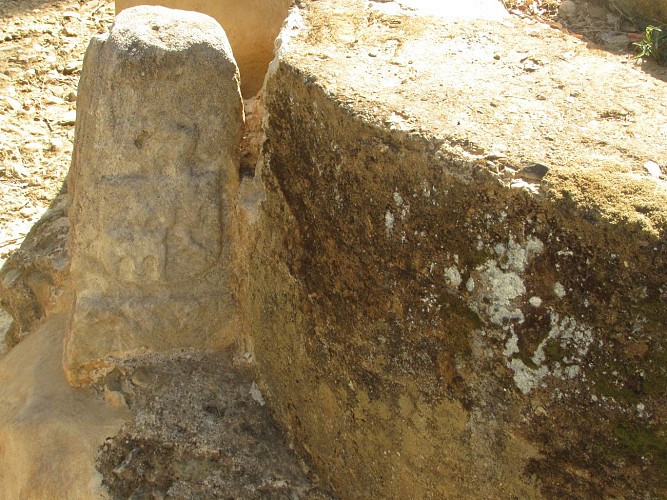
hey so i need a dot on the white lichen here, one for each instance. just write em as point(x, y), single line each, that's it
point(498, 295)
point(401, 205)
point(431, 302)
point(389, 222)
point(497, 291)
point(525, 378)
point(574, 339)
point(511, 346)
point(499, 282)
point(453, 277)
point(517, 256)
point(559, 290)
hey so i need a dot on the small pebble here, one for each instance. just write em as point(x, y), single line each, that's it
point(27, 212)
point(534, 172)
point(68, 118)
point(114, 398)
point(653, 169)
point(70, 31)
point(567, 9)
point(52, 99)
point(72, 67)
point(13, 103)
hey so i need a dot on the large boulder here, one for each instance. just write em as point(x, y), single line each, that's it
point(447, 253)
point(153, 181)
point(458, 287)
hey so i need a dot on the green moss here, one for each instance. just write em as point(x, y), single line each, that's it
point(656, 377)
point(607, 385)
point(474, 259)
point(641, 442)
point(554, 351)
point(527, 359)
point(459, 309)
point(654, 311)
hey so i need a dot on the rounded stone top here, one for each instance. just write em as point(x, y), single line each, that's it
point(167, 29)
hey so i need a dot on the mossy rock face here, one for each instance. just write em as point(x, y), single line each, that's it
point(468, 298)
point(428, 324)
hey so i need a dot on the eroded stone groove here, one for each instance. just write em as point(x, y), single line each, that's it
point(153, 179)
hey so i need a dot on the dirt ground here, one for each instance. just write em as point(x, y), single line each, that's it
point(41, 49)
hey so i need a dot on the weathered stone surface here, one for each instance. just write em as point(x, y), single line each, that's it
point(34, 282)
point(433, 313)
point(153, 179)
point(49, 431)
point(251, 26)
point(202, 429)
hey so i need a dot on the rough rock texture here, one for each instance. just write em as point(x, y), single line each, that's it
point(34, 281)
point(153, 179)
point(458, 286)
point(200, 430)
point(49, 432)
point(251, 26)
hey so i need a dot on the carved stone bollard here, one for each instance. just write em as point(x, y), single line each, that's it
point(153, 181)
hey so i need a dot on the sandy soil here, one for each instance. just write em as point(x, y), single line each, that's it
point(41, 50)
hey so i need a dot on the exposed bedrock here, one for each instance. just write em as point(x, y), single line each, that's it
point(153, 182)
point(459, 283)
point(34, 281)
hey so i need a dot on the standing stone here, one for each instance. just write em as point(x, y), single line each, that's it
point(153, 180)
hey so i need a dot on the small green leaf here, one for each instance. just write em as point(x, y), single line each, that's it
point(654, 44)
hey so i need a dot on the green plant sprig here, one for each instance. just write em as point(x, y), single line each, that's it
point(654, 44)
